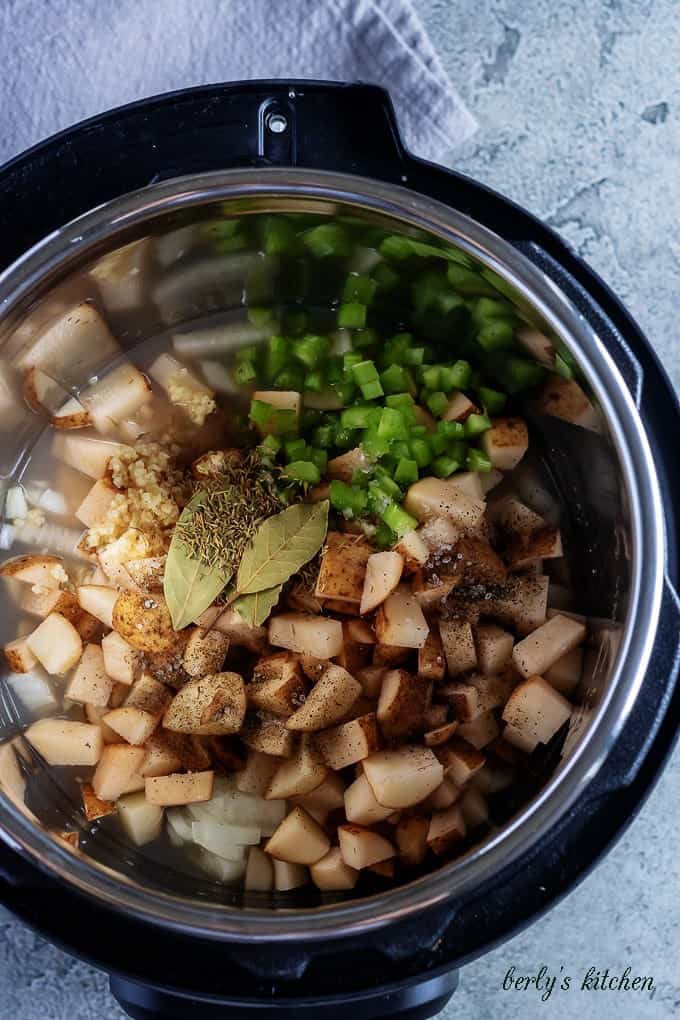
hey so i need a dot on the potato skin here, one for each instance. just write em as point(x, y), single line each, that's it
point(144, 622)
point(208, 706)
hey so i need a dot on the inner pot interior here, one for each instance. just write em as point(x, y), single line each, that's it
point(175, 268)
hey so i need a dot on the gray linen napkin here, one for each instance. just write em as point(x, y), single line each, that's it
point(63, 60)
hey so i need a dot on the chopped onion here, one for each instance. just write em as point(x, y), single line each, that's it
point(16, 506)
point(220, 839)
point(220, 869)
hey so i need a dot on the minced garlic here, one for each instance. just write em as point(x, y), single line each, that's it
point(196, 403)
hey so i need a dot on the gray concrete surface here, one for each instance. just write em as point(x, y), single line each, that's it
point(578, 104)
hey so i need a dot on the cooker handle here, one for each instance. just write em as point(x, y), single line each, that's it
point(423, 999)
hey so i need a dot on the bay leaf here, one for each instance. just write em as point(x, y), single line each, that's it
point(281, 545)
point(189, 585)
point(254, 609)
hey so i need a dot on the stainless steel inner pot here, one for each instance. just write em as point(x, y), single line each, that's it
point(59, 271)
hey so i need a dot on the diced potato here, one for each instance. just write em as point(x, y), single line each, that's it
point(299, 839)
point(141, 822)
point(544, 646)
point(438, 497)
point(536, 711)
point(564, 398)
point(461, 761)
point(460, 407)
point(371, 678)
point(446, 794)
point(71, 415)
point(473, 808)
point(259, 871)
point(447, 828)
point(118, 394)
point(435, 737)
point(205, 652)
point(144, 622)
point(88, 455)
point(506, 442)
point(528, 549)
point(161, 755)
point(277, 685)
point(402, 703)
point(20, 658)
point(478, 562)
point(344, 466)
point(90, 682)
point(210, 705)
point(236, 629)
point(350, 742)
point(492, 779)
point(78, 339)
point(147, 572)
point(413, 550)
point(327, 797)
point(133, 724)
point(431, 659)
point(93, 806)
point(289, 876)
point(359, 631)
point(179, 788)
point(95, 715)
point(255, 777)
point(12, 782)
point(490, 480)
point(404, 777)
point(494, 647)
point(537, 345)
point(267, 733)
point(400, 621)
point(436, 715)
point(390, 655)
point(118, 764)
point(41, 392)
point(121, 661)
point(361, 807)
point(98, 600)
point(564, 675)
point(113, 558)
point(459, 646)
point(385, 869)
point(360, 848)
point(439, 533)
point(383, 573)
point(39, 569)
point(481, 730)
point(524, 605)
point(411, 839)
point(343, 568)
point(62, 742)
point(306, 634)
point(56, 644)
point(298, 775)
point(494, 690)
point(332, 874)
point(44, 601)
point(432, 591)
point(328, 701)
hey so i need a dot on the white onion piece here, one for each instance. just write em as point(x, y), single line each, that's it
point(16, 505)
point(8, 534)
point(220, 869)
point(33, 691)
point(180, 823)
point(227, 851)
point(220, 839)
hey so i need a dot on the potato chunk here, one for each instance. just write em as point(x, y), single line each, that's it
point(494, 647)
point(447, 828)
point(267, 733)
point(461, 761)
point(383, 573)
point(289, 876)
point(45, 571)
point(328, 701)
point(535, 711)
point(299, 839)
point(404, 777)
point(56, 644)
point(117, 766)
point(121, 661)
point(344, 466)
point(277, 685)
point(544, 646)
point(144, 622)
point(20, 658)
point(306, 634)
point(402, 703)
point(565, 674)
point(350, 742)
point(361, 807)
point(438, 497)
point(524, 604)
point(459, 646)
point(62, 742)
point(506, 442)
point(86, 454)
point(411, 838)
point(327, 797)
point(360, 848)
point(205, 652)
point(431, 659)
point(413, 550)
point(179, 788)
point(332, 874)
point(141, 821)
point(400, 621)
point(90, 682)
point(98, 600)
point(210, 705)
point(343, 568)
point(93, 509)
point(298, 775)
point(257, 773)
point(259, 871)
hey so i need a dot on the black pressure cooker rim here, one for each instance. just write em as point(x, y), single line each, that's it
point(652, 729)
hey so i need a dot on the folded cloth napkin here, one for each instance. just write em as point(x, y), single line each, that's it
point(65, 60)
